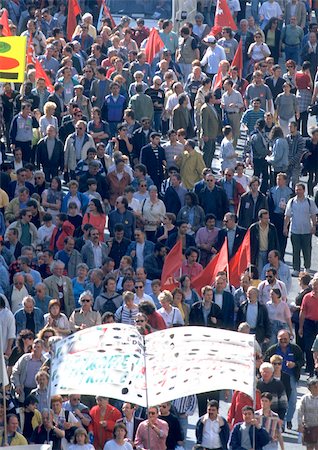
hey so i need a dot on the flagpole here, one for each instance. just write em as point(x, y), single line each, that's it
point(146, 383)
point(4, 379)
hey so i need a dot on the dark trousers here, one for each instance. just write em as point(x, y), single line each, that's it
point(303, 123)
point(208, 152)
point(310, 333)
point(26, 147)
point(301, 242)
point(50, 172)
point(312, 180)
point(278, 221)
point(261, 168)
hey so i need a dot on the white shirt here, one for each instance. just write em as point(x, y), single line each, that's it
point(269, 10)
point(45, 233)
point(97, 250)
point(172, 318)
point(212, 58)
point(234, 6)
point(218, 299)
point(210, 436)
point(7, 326)
point(140, 254)
point(144, 298)
point(17, 297)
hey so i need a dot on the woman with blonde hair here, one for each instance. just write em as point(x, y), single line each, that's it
point(81, 441)
point(48, 118)
point(170, 314)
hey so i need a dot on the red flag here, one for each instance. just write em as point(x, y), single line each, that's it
point(207, 276)
point(218, 80)
point(39, 71)
point(30, 53)
point(240, 261)
point(238, 58)
point(154, 45)
point(4, 21)
point(173, 263)
point(74, 10)
point(107, 14)
point(223, 18)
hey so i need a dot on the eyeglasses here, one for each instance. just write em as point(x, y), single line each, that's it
point(146, 122)
point(269, 277)
point(79, 115)
point(139, 321)
point(138, 287)
point(277, 364)
point(143, 185)
point(80, 128)
point(86, 300)
point(151, 413)
point(38, 178)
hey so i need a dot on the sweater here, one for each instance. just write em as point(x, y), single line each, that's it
point(276, 388)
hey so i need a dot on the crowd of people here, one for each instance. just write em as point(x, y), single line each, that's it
point(103, 176)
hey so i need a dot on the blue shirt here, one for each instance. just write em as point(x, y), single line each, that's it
point(288, 356)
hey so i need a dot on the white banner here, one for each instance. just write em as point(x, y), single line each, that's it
point(110, 360)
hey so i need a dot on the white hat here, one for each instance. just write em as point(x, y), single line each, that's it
point(210, 39)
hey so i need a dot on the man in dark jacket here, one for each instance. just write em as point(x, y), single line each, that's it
point(232, 232)
point(258, 435)
point(50, 154)
point(260, 150)
point(213, 200)
point(225, 301)
point(293, 360)
point(257, 314)
point(267, 383)
point(263, 236)
point(198, 316)
point(102, 185)
point(154, 158)
point(205, 431)
point(174, 197)
point(153, 263)
point(251, 203)
point(141, 137)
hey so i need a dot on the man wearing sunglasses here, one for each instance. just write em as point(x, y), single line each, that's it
point(85, 317)
point(152, 432)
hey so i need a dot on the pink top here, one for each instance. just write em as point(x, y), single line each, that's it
point(279, 312)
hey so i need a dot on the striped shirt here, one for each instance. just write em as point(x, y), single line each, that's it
point(270, 423)
point(250, 117)
point(126, 315)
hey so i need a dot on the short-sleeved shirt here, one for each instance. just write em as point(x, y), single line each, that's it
point(309, 306)
point(300, 211)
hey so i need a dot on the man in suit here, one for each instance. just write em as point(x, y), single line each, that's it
point(276, 81)
point(174, 197)
point(210, 128)
point(310, 53)
point(94, 253)
point(154, 158)
point(225, 301)
point(234, 233)
point(130, 420)
point(50, 154)
point(139, 249)
point(100, 87)
point(141, 137)
point(57, 98)
point(60, 287)
point(296, 8)
point(263, 239)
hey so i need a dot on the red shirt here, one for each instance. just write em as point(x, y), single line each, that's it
point(309, 306)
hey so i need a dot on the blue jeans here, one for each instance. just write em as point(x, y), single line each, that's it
point(254, 10)
point(292, 52)
point(157, 120)
point(276, 326)
point(292, 399)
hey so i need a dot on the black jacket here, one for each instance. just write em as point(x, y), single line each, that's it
point(102, 185)
point(246, 214)
point(227, 309)
point(58, 111)
point(277, 88)
point(273, 242)
point(294, 350)
point(153, 265)
point(154, 165)
point(263, 325)
point(196, 315)
point(139, 140)
point(239, 236)
point(214, 201)
point(42, 157)
point(172, 201)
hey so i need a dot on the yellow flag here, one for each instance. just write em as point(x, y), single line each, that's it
point(12, 58)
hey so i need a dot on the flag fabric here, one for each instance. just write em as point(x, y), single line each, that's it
point(74, 10)
point(223, 18)
point(240, 261)
point(238, 58)
point(117, 361)
point(154, 45)
point(172, 263)
point(4, 21)
point(104, 12)
point(218, 79)
point(207, 276)
point(39, 70)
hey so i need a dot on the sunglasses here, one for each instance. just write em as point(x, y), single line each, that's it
point(277, 364)
point(86, 300)
point(139, 321)
point(152, 413)
point(138, 287)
